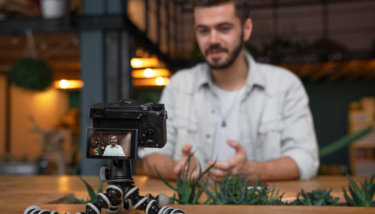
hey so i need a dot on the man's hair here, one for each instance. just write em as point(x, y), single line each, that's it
point(242, 6)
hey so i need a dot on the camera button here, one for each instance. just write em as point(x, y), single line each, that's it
point(150, 133)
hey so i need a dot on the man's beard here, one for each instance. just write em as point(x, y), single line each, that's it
point(229, 62)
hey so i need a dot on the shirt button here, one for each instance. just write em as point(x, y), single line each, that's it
point(208, 136)
point(213, 111)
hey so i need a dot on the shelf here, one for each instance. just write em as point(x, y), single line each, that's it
point(75, 23)
point(362, 156)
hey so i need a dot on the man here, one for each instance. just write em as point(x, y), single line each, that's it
point(250, 117)
point(113, 149)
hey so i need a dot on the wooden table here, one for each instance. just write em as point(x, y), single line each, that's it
point(17, 193)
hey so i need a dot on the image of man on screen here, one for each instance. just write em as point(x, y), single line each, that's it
point(113, 149)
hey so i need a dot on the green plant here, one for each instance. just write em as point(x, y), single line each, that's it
point(361, 196)
point(188, 188)
point(234, 189)
point(32, 74)
point(343, 142)
point(93, 196)
point(319, 197)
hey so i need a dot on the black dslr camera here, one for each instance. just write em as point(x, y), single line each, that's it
point(119, 128)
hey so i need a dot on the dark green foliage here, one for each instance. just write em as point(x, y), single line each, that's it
point(343, 142)
point(252, 49)
point(148, 95)
point(195, 53)
point(319, 197)
point(361, 196)
point(234, 189)
point(188, 189)
point(90, 190)
point(32, 74)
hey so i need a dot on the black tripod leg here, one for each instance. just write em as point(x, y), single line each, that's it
point(111, 201)
point(148, 203)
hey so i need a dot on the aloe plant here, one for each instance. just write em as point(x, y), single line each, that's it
point(234, 189)
point(319, 197)
point(188, 190)
point(93, 196)
point(361, 196)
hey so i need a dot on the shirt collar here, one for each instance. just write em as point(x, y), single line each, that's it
point(254, 76)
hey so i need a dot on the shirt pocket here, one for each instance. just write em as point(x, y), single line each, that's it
point(187, 133)
point(270, 140)
point(186, 124)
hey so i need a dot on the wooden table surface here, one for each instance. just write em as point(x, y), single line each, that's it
point(17, 193)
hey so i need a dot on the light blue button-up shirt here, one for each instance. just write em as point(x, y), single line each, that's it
point(275, 120)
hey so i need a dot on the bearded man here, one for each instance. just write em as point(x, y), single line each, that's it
point(251, 118)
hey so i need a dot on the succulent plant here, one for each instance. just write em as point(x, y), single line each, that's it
point(319, 197)
point(188, 189)
point(361, 196)
point(234, 189)
point(93, 196)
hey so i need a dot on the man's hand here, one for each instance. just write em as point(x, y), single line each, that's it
point(237, 164)
point(283, 168)
point(168, 167)
point(186, 152)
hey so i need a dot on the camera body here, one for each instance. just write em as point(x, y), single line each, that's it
point(126, 124)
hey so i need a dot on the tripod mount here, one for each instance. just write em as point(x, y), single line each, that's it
point(121, 193)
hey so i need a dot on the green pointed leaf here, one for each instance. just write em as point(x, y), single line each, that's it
point(100, 188)
point(74, 200)
point(165, 180)
point(90, 190)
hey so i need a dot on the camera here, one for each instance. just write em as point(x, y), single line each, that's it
point(119, 128)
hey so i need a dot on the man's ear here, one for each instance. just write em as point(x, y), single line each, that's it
point(247, 29)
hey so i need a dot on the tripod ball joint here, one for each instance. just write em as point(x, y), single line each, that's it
point(36, 210)
point(162, 199)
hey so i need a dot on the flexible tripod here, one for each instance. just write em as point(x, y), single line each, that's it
point(120, 194)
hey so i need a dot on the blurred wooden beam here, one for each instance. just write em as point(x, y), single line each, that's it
point(325, 70)
point(354, 69)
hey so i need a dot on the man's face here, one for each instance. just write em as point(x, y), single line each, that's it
point(113, 140)
point(220, 34)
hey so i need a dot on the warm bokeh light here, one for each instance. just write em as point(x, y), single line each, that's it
point(144, 62)
point(63, 183)
point(63, 84)
point(150, 73)
point(159, 81)
point(68, 84)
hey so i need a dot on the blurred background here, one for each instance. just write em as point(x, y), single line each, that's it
point(57, 57)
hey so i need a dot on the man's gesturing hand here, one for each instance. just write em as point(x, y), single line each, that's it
point(237, 164)
point(186, 151)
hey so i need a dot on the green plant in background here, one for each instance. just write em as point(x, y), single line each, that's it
point(195, 53)
point(319, 197)
point(148, 95)
point(234, 189)
point(344, 141)
point(361, 196)
point(93, 196)
point(31, 74)
point(188, 189)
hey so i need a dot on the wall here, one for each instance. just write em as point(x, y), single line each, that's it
point(329, 102)
point(350, 24)
point(46, 107)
